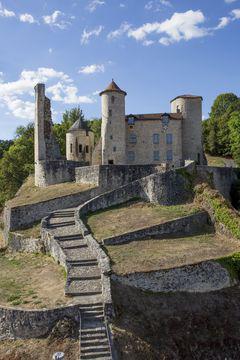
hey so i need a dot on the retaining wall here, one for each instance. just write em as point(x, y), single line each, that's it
point(28, 324)
point(19, 243)
point(55, 172)
point(114, 176)
point(221, 178)
point(192, 224)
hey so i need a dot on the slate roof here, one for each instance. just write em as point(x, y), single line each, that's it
point(78, 125)
point(113, 87)
point(145, 117)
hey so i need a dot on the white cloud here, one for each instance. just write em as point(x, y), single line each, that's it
point(17, 95)
point(236, 14)
point(181, 26)
point(124, 28)
point(57, 19)
point(5, 12)
point(229, 1)
point(157, 5)
point(92, 69)
point(93, 4)
point(148, 42)
point(86, 35)
point(223, 22)
point(122, 5)
point(50, 50)
point(27, 18)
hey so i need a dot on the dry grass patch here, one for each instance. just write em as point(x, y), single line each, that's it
point(32, 232)
point(31, 281)
point(132, 216)
point(44, 349)
point(155, 254)
point(219, 161)
point(30, 194)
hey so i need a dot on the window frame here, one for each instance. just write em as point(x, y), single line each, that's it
point(169, 136)
point(156, 158)
point(156, 138)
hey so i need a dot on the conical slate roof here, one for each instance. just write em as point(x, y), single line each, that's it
point(78, 125)
point(113, 87)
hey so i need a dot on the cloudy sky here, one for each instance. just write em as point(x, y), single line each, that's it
point(153, 49)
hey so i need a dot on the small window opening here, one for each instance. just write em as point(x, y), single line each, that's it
point(112, 99)
point(110, 112)
point(110, 162)
point(87, 149)
point(80, 148)
point(71, 148)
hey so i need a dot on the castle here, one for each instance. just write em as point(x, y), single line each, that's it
point(167, 139)
point(142, 138)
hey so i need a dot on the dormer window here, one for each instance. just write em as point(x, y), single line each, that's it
point(131, 120)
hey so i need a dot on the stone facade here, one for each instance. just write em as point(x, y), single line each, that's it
point(79, 143)
point(151, 138)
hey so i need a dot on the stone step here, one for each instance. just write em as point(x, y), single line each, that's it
point(92, 308)
point(61, 224)
point(84, 271)
point(73, 246)
point(94, 337)
point(66, 213)
point(85, 262)
point(94, 277)
point(79, 254)
point(94, 349)
point(105, 355)
point(96, 330)
point(86, 300)
point(72, 237)
point(84, 286)
point(71, 293)
point(94, 342)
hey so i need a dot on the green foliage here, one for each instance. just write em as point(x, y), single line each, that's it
point(234, 126)
point(4, 146)
point(60, 130)
point(94, 125)
point(232, 264)
point(17, 163)
point(216, 130)
point(222, 212)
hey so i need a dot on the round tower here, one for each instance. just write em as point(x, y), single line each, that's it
point(191, 108)
point(113, 130)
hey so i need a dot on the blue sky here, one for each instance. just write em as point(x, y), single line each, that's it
point(154, 50)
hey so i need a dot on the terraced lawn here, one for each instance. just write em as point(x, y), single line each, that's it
point(31, 281)
point(150, 255)
point(132, 216)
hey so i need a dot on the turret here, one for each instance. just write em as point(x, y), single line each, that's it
point(113, 129)
point(191, 108)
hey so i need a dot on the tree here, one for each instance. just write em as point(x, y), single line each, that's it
point(234, 126)
point(94, 125)
point(17, 162)
point(4, 146)
point(60, 130)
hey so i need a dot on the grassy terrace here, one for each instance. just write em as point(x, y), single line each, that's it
point(150, 255)
point(30, 194)
point(31, 281)
point(219, 161)
point(132, 216)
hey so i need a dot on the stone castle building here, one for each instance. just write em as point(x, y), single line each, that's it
point(150, 138)
point(135, 139)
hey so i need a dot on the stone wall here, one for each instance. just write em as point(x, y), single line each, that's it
point(192, 224)
point(19, 243)
point(29, 324)
point(221, 178)
point(55, 172)
point(113, 176)
point(20, 217)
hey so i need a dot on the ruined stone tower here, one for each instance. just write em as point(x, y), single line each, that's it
point(113, 129)
point(45, 145)
point(191, 108)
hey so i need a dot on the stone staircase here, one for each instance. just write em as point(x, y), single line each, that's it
point(83, 284)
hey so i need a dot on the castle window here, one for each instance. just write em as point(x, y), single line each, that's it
point(178, 109)
point(131, 155)
point(110, 112)
point(133, 138)
point(169, 139)
point(80, 148)
point(112, 99)
point(111, 137)
point(114, 149)
point(71, 148)
point(131, 120)
point(87, 149)
point(169, 155)
point(155, 138)
point(156, 155)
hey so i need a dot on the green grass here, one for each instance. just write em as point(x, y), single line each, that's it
point(133, 215)
point(232, 264)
